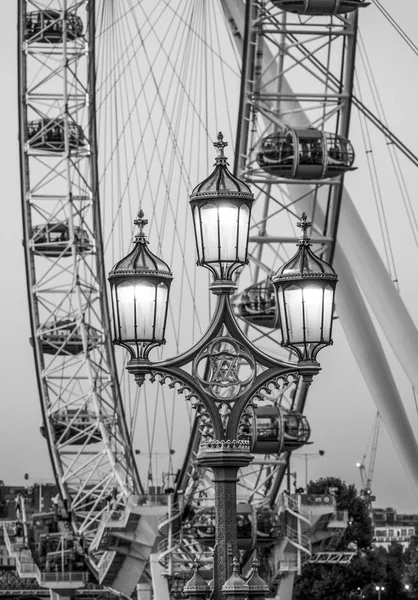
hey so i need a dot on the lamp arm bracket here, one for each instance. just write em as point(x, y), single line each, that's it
point(277, 378)
point(235, 332)
point(127, 347)
point(212, 331)
point(184, 383)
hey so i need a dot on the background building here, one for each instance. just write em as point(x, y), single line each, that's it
point(389, 526)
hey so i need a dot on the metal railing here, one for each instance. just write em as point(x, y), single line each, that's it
point(297, 538)
point(63, 577)
point(287, 565)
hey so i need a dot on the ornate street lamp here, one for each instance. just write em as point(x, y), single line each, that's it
point(305, 288)
point(140, 286)
point(221, 210)
point(226, 374)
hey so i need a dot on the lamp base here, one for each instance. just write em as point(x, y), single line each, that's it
point(134, 367)
point(223, 286)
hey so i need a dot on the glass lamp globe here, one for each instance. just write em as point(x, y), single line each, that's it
point(221, 210)
point(305, 288)
point(140, 285)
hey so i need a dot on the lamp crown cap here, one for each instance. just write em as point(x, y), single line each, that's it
point(305, 264)
point(235, 583)
point(196, 584)
point(221, 183)
point(254, 581)
point(141, 261)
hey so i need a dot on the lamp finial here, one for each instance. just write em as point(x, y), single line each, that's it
point(235, 565)
point(196, 565)
point(141, 222)
point(220, 145)
point(304, 225)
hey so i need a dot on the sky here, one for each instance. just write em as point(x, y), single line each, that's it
point(339, 408)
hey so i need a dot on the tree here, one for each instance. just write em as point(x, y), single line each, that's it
point(360, 528)
point(370, 566)
point(412, 572)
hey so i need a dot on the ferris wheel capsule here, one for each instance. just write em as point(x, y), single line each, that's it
point(267, 527)
point(49, 134)
point(47, 26)
point(319, 7)
point(74, 427)
point(257, 304)
point(62, 337)
point(277, 430)
point(305, 154)
point(296, 430)
point(54, 239)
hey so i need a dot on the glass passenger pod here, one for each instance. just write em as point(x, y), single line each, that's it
point(277, 430)
point(305, 154)
point(268, 428)
point(267, 529)
point(257, 305)
point(319, 7)
point(296, 430)
point(268, 525)
point(48, 26)
point(49, 135)
point(53, 239)
point(64, 338)
point(74, 426)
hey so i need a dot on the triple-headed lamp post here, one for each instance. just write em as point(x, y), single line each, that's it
point(223, 393)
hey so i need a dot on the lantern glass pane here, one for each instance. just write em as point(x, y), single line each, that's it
point(328, 306)
point(136, 300)
point(210, 232)
point(198, 232)
point(224, 232)
point(294, 313)
point(244, 226)
point(282, 315)
point(313, 296)
point(228, 224)
point(115, 312)
point(161, 311)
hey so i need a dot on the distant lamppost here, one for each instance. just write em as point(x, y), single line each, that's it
point(379, 590)
point(308, 456)
point(223, 394)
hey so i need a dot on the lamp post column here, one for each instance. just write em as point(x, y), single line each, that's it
point(224, 458)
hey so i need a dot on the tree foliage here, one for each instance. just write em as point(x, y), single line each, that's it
point(359, 533)
point(412, 572)
point(369, 568)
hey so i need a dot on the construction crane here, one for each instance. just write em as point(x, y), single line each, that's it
point(366, 473)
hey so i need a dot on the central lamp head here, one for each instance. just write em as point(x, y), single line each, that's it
point(221, 210)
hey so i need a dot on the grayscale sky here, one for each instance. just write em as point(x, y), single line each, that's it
point(340, 408)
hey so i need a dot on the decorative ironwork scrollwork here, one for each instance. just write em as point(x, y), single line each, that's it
point(224, 369)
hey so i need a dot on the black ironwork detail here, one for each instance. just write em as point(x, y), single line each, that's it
point(230, 372)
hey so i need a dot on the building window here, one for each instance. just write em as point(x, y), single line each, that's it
point(390, 532)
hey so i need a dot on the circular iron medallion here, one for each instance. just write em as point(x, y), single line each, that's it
point(224, 369)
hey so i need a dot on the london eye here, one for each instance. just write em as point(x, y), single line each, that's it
point(119, 105)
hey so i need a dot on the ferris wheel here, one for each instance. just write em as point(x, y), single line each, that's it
point(119, 104)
